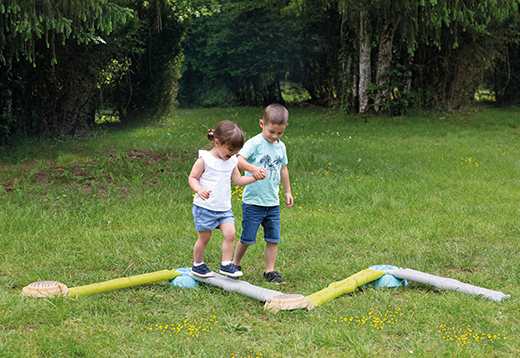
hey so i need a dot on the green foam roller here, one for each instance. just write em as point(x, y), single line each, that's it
point(123, 283)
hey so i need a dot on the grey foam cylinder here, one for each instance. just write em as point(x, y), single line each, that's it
point(242, 287)
point(451, 284)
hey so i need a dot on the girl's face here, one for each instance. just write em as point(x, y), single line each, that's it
point(224, 152)
point(272, 132)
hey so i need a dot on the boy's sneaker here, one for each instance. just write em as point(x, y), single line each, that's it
point(202, 271)
point(274, 277)
point(230, 270)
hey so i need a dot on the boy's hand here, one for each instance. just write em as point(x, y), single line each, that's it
point(259, 173)
point(203, 193)
point(290, 200)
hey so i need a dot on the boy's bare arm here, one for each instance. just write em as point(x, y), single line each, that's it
point(193, 179)
point(258, 172)
point(286, 183)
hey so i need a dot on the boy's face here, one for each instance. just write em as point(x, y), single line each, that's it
point(272, 132)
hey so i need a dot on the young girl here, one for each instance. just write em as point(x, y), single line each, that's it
point(210, 179)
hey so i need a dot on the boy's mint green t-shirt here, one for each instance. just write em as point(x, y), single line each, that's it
point(261, 153)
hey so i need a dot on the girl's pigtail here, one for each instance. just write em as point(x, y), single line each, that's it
point(211, 134)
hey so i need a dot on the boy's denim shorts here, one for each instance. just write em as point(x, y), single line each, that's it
point(208, 220)
point(253, 216)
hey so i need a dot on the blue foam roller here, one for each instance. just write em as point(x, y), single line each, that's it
point(387, 280)
point(184, 280)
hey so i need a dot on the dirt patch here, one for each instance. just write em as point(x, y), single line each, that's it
point(110, 167)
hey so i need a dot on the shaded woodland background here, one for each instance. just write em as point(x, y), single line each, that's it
point(67, 64)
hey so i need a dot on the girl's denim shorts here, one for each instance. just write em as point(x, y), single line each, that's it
point(208, 220)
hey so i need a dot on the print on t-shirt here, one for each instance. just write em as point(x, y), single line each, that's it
point(271, 166)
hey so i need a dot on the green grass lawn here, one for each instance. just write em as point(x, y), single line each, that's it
point(438, 193)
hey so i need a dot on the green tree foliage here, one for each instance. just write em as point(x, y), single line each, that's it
point(24, 23)
point(361, 55)
point(456, 50)
point(247, 51)
point(62, 61)
point(316, 62)
point(445, 41)
point(503, 74)
point(239, 48)
point(48, 60)
point(153, 54)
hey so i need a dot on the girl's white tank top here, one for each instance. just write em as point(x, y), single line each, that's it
point(217, 178)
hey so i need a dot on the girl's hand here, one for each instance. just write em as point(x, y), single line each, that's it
point(203, 193)
point(259, 173)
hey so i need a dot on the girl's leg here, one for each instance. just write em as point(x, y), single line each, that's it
point(228, 245)
point(200, 246)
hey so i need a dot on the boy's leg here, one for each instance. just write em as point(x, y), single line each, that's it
point(200, 246)
point(240, 251)
point(271, 250)
point(228, 231)
point(271, 226)
point(252, 216)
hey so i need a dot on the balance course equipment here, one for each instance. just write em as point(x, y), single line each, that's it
point(242, 287)
point(348, 285)
point(379, 275)
point(443, 283)
point(184, 280)
point(276, 301)
point(334, 290)
point(386, 280)
point(55, 288)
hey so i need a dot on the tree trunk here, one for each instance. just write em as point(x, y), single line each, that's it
point(7, 100)
point(355, 91)
point(383, 64)
point(364, 61)
point(348, 90)
point(407, 83)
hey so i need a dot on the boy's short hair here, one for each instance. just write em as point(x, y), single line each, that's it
point(275, 114)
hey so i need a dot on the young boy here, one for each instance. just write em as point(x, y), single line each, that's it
point(264, 156)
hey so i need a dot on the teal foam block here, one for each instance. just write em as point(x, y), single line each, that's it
point(184, 280)
point(387, 280)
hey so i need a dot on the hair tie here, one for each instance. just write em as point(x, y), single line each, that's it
point(210, 133)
